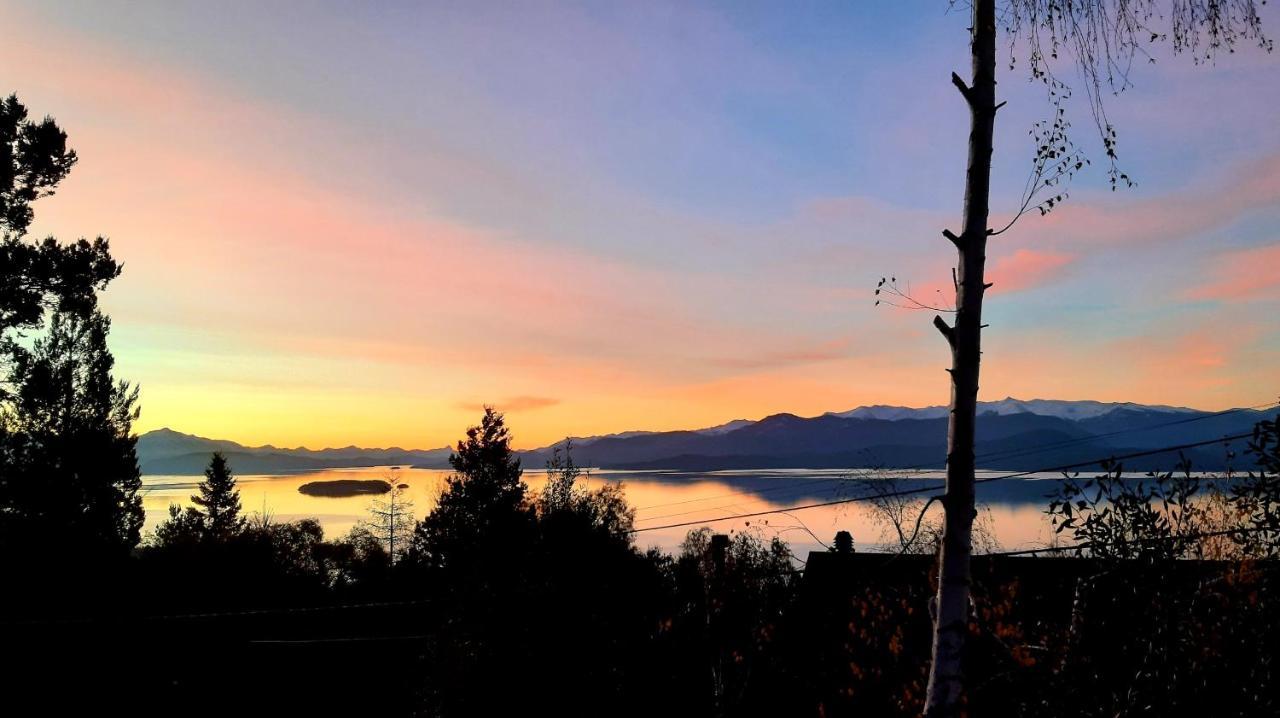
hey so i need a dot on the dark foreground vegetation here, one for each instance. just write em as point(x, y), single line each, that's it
point(502, 600)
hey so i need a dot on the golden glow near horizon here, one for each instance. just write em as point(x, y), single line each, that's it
point(364, 245)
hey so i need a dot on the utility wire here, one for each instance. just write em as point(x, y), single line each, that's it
point(345, 639)
point(1150, 539)
point(222, 614)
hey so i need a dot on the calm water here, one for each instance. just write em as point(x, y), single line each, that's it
point(1012, 510)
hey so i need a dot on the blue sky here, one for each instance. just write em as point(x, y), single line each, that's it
point(343, 221)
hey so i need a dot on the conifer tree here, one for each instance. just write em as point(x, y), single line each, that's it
point(38, 275)
point(68, 468)
point(483, 503)
point(68, 459)
point(390, 519)
point(219, 500)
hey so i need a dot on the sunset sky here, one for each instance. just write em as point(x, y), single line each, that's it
point(357, 223)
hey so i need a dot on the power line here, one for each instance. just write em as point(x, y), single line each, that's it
point(1149, 539)
point(223, 614)
point(345, 639)
point(926, 489)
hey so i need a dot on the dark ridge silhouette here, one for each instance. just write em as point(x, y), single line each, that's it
point(865, 438)
point(1019, 441)
point(165, 451)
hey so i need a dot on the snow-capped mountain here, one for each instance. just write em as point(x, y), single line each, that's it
point(1072, 410)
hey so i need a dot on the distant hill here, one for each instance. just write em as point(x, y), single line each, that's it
point(165, 451)
point(1013, 434)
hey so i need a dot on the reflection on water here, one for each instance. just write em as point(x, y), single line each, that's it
point(1014, 509)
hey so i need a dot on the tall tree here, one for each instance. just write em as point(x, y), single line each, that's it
point(219, 500)
point(1102, 37)
point(67, 448)
point(68, 470)
point(483, 503)
point(36, 276)
point(391, 519)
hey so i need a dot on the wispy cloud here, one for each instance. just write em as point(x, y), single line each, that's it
point(512, 404)
point(316, 255)
point(1091, 222)
point(1027, 268)
point(1242, 275)
point(823, 351)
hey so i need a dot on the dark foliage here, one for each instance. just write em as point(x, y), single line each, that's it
point(34, 158)
point(1153, 633)
point(68, 471)
point(69, 477)
point(482, 511)
point(219, 499)
point(1257, 495)
point(553, 609)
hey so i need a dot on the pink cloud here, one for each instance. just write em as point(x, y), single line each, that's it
point(1242, 275)
point(1211, 363)
point(1178, 215)
point(823, 351)
point(1027, 268)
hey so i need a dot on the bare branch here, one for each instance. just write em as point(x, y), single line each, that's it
point(1104, 38)
point(947, 331)
point(908, 543)
point(963, 88)
point(888, 292)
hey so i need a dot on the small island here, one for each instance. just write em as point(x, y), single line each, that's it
point(341, 488)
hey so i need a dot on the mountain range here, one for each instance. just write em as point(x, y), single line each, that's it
point(1013, 434)
point(165, 451)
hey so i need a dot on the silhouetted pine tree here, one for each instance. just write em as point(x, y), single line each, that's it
point(68, 472)
point(483, 504)
point(67, 449)
point(219, 500)
point(390, 520)
point(35, 276)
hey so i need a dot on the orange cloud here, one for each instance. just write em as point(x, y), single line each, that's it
point(514, 404)
point(1209, 363)
point(1026, 268)
point(824, 351)
point(1242, 275)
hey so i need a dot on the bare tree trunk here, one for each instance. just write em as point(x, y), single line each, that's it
point(951, 616)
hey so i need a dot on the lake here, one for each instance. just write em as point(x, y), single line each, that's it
point(1012, 511)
